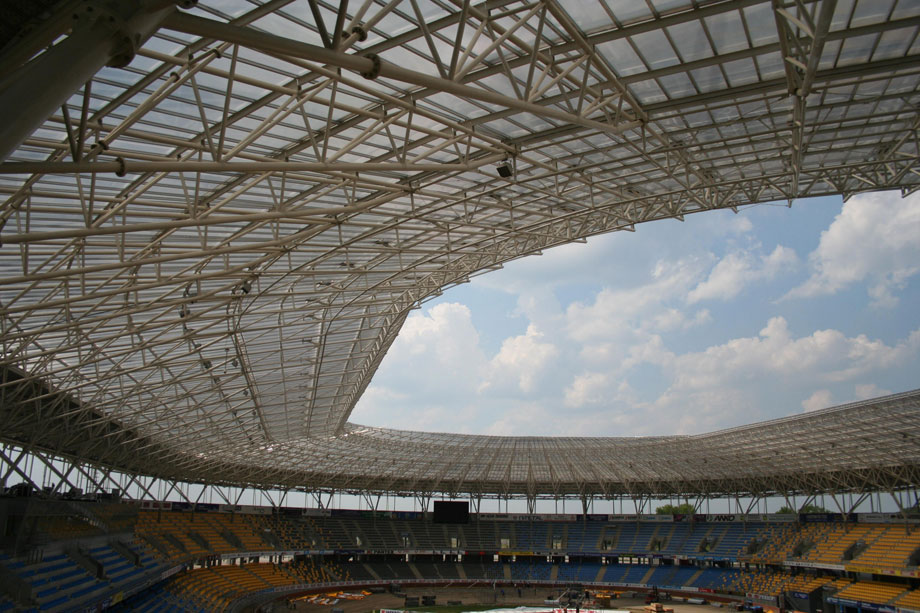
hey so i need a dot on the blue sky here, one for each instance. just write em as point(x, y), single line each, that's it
point(680, 327)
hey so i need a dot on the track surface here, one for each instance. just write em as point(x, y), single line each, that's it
point(477, 596)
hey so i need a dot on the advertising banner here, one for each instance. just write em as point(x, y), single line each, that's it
point(801, 564)
point(891, 572)
point(885, 518)
point(153, 505)
point(247, 509)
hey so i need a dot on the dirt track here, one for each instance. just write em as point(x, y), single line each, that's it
point(476, 596)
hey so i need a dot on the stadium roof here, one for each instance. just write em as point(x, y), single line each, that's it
point(208, 247)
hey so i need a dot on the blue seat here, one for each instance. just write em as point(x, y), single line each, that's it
point(50, 605)
point(75, 582)
point(85, 591)
point(70, 574)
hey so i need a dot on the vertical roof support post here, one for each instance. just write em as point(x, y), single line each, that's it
point(901, 510)
point(424, 500)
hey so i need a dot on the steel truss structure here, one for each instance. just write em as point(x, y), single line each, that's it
point(216, 218)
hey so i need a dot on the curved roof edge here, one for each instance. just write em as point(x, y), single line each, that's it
point(863, 446)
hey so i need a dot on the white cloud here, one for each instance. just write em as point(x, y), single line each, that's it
point(746, 379)
point(520, 361)
point(864, 391)
point(821, 399)
point(875, 239)
point(445, 331)
point(435, 362)
point(739, 269)
point(652, 351)
point(613, 347)
point(626, 312)
point(740, 225)
point(827, 354)
point(586, 388)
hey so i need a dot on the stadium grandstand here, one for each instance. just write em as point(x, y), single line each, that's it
point(217, 215)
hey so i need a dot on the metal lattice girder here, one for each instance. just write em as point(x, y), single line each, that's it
point(206, 252)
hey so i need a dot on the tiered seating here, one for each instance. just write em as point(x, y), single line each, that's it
point(336, 534)
point(634, 538)
point(239, 526)
point(185, 535)
point(714, 579)
point(837, 538)
point(213, 589)
point(531, 571)
point(195, 586)
point(661, 575)
point(160, 525)
point(56, 580)
point(577, 571)
point(181, 536)
point(890, 548)
point(335, 571)
point(357, 572)
point(481, 535)
point(614, 573)
point(689, 544)
point(426, 536)
point(272, 574)
point(674, 539)
point(448, 571)
point(732, 539)
point(504, 531)
point(317, 534)
point(766, 582)
point(478, 570)
point(872, 592)
point(429, 570)
point(635, 573)
point(684, 575)
point(775, 539)
point(379, 534)
point(583, 536)
point(63, 528)
point(840, 583)
point(807, 584)
point(157, 599)
point(533, 536)
point(383, 570)
point(910, 600)
point(114, 566)
point(310, 572)
point(116, 516)
point(674, 576)
point(401, 571)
